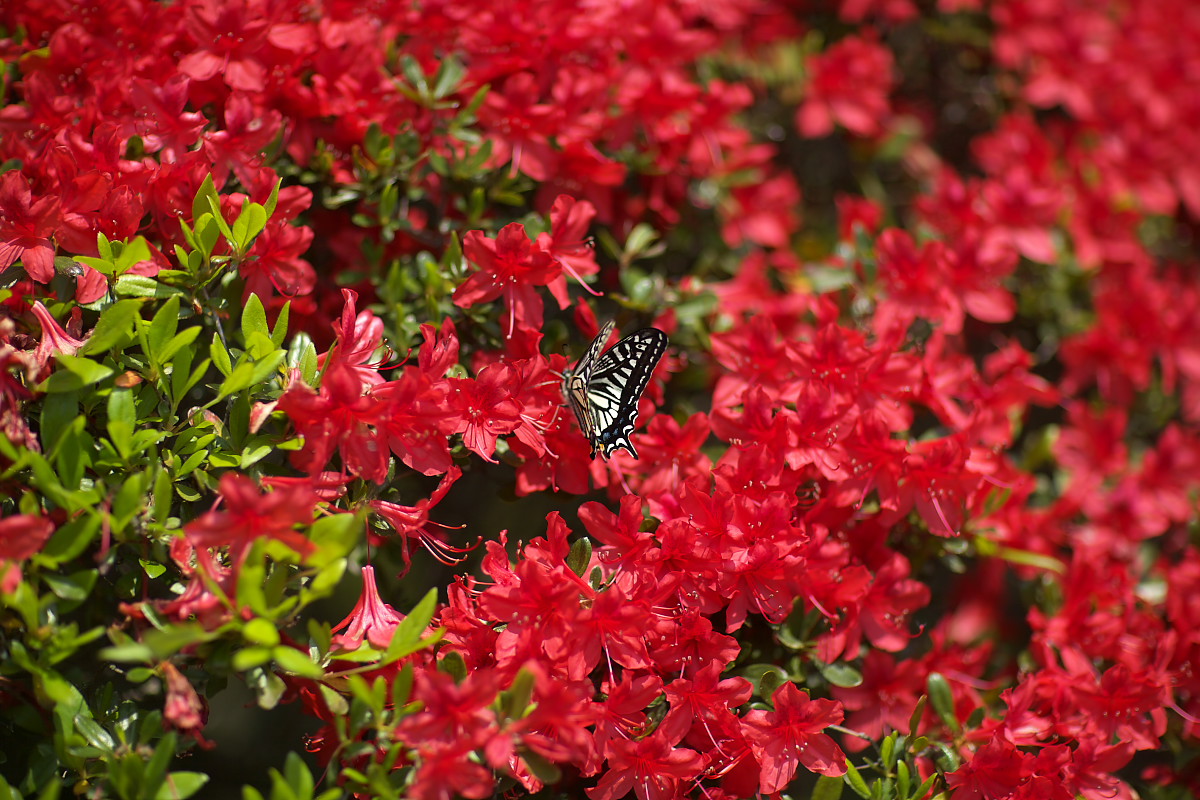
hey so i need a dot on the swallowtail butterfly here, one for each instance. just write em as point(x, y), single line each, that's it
point(604, 388)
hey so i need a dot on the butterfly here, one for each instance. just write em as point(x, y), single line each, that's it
point(603, 389)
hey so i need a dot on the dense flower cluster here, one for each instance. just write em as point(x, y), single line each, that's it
point(930, 469)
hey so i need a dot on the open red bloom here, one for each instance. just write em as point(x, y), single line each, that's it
point(791, 735)
point(509, 265)
point(250, 515)
point(342, 415)
point(653, 767)
point(486, 408)
point(849, 87)
point(26, 226)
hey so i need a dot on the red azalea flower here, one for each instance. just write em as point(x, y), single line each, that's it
point(249, 515)
point(27, 227)
point(231, 37)
point(653, 767)
point(996, 771)
point(13, 392)
point(183, 710)
point(358, 338)
point(372, 619)
point(568, 243)
point(791, 736)
point(21, 535)
point(486, 408)
point(509, 265)
point(848, 86)
point(412, 522)
point(704, 697)
point(343, 414)
point(54, 339)
point(415, 418)
point(445, 771)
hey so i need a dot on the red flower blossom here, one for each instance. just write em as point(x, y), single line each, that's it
point(184, 710)
point(486, 408)
point(21, 535)
point(653, 767)
point(26, 227)
point(372, 619)
point(230, 38)
point(342, 415)
point(509, 265)
point(569, 245)
point(848, 86)
point(996, 771)
point(791, 736)
point(54, 339)
point(412, 522)
point(250, 515)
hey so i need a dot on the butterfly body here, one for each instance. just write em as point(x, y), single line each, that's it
point(604, 387)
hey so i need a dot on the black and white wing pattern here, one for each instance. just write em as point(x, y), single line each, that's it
point(603, 389)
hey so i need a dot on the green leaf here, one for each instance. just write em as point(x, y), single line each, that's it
point(765, 677)
point(254, 318)
point(207, 234)
point(70, 539)
point(842, 675)
point(180, 340)
point(162, 328)
point(334, 535)
point(144, 286)
point(545, 771)
point(298, 776)
point(95, 735)
point(302, 355)
point(828, 788)
point(519, 695)
point(855, 781)
point(297, 663)
point(122, 419)
point(250, 657)
point(903, 779)
point(261, 631)
point(159, 761)
point(114, 326)
point(180, 785)
point(220, 356)
point(104, 266)
point(205, 196)
point(133, 252)
point(580, 556)
point(77, 373)
point(273, 200)
point(449, 75)
point(214, 208)
point(888, 752)
point(925, 786)
point(76, 586)
point(248, 226)
point(279, 332)
point(914, 721)
point(407, 638)
point(942, 698)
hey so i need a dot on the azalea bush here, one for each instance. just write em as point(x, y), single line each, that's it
point(288, 293)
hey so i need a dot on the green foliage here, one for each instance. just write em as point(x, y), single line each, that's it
point(137, 428)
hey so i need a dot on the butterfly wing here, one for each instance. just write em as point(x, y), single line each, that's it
point(575, 381)
point(613, 387)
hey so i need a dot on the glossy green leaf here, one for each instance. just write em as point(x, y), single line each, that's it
point(114, 327)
